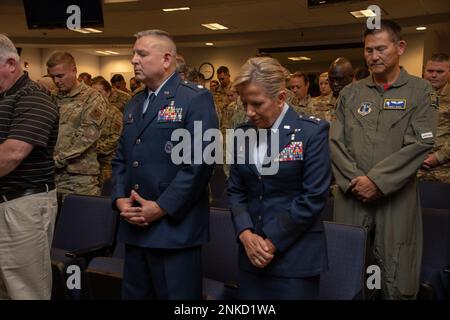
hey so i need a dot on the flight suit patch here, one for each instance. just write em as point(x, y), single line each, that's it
point(365, 108)
point(434, 100)
point(394, 104)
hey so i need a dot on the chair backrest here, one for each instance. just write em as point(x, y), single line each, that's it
point(85, 221)
point(436, 250)
point(434, 195)
point(346, 260)
point(220, 254)
point(107, 188)
point(436, 237)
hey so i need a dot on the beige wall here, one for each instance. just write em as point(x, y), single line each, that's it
point(412, 59)
point(34, 59)
point(119, 64)
point(232, 57)
point(431, 45)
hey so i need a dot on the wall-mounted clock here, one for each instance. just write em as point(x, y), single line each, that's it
point(207, 69)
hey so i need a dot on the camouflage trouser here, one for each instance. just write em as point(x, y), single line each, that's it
point(438, 174)
point(104, 176)
point(395, 242)
point(69, 183)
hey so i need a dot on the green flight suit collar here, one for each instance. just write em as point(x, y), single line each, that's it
point(402, 79)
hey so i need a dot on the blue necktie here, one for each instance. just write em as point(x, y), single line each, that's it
point(148, 103)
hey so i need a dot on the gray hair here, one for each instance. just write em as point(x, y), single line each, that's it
point(264, 71)
point(7, 49)
point(161, 34)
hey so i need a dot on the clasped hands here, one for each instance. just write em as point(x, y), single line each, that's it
point(259, 251)
point(142, 216)
point(365, 189)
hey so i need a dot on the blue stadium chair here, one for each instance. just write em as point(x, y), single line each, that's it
point(434, 195)
point(219, 258)
point(436, 252)
point(86, 228)
point(346, 260)
point(104, 276)
point(107, 188)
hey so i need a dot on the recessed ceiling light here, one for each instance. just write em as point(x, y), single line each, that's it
point(93, 30)
point(299, 58)
point(80, 30)
point(103, 52)
point(214, 26)
point(209, 44)
point(176, 9)
point(421, 28)
point(119, 1)
point(111, 52)
point(363, 13)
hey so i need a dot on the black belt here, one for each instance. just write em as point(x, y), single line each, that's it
point(14, 195)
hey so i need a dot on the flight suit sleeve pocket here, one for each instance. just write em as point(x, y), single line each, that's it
point(424, 134)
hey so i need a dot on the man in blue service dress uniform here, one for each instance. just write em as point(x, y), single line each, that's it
point(164, 205)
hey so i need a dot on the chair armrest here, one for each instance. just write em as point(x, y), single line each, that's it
point(231, 285)
point(90, 253)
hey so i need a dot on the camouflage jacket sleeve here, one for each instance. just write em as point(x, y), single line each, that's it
point(110, 135)
point(443, 154)
point(393, 172)
point(75, 143)
point(344, 165)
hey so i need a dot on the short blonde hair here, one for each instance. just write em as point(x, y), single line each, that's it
point(324, 75)
point(60, 57)
point(264, 71)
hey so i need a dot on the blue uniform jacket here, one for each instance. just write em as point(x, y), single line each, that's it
point(285, 207)
point(143, 163)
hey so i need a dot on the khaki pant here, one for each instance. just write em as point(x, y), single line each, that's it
point(26, 233)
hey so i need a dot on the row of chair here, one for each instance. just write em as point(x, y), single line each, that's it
point(432, 194)
point(85, 236)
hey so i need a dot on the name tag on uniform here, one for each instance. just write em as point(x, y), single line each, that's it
point(292, 152)
point(394, 104)
point(170, 114)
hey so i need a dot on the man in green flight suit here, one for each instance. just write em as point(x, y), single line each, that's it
point(384, 129)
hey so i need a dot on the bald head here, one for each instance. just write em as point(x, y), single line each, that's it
point(340, 74)
point(154, 57)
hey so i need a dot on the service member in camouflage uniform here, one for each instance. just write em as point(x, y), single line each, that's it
point(436, 167)
point(383, 131)
point(82, 114)
point(299, 85)
point(111, 130)
point(320, 106)
point(119, 99)
point(220, 95)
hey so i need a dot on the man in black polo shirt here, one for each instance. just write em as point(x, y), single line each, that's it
point(28, 133)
